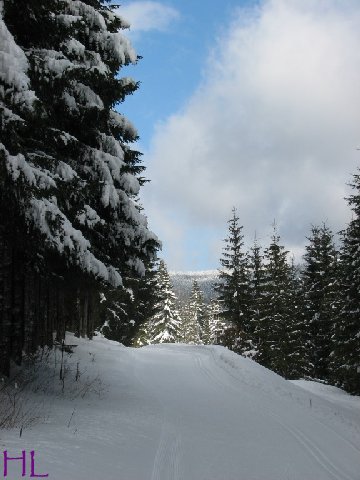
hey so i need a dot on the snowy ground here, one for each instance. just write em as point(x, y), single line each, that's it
point(178, 412)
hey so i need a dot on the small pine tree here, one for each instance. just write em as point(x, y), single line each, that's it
point(257, 279)
point(299, 364)
point(189, 325)
point(217, 326)
point(165, 325)
point(197, 311)
point(278, 333)
point(319, 277)
point(233, 288)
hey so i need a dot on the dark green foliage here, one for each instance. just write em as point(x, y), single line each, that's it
point(277, 326)
point(124, 311)
point(320, 286)
point(233, 287)
point(71, 225)
point(272, 327)
point(257, 290)
point(346, 339)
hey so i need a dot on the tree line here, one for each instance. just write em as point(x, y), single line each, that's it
point(301, 321)
point(298, 321)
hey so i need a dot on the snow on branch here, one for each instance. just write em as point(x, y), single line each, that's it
point(61, 235)
point(13, 68)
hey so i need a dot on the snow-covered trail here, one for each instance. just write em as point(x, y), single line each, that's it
point(178, 412)
point(217, 416)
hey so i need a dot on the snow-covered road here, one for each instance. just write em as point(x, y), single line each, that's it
point(178, 412)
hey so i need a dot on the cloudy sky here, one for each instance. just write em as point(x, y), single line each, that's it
point(248, 104)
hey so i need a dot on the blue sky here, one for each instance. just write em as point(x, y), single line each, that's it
point(174, 55)
point(247, 104)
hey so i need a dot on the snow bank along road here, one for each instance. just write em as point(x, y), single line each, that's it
point(180, 412)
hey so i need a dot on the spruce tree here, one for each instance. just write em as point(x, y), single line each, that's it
point(346, 338)
point(217, 326)
point(70, 168)
point(319, 277)
point(165, 325)
point(126, 309)
point(197, 312)
point(88, 177)
point(299, 360)
point(257, 279)
point(233, 288)
point(278, 333)
point(189, 325)
point(17, 109)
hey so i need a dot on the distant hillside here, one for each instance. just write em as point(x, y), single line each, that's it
point(183, 282)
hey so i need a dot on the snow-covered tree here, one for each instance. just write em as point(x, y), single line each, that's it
point(345, 358)
point(197, 313)
point(127, 311)
point(233, 287)
point(71, 172)
point(299, 359)
point(17, 108)
point(257, 280)
point(165, 325)
point(320, 289)
point(278, 334)
point(189, 326)
point(217, 326)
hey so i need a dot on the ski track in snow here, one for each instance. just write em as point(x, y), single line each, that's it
point(304, 440)
point(181, 412)
point(211, 369)
point(314, 451)
point(218, 381)
point(168, 454)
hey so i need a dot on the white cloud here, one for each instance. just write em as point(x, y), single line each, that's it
point(144, 16)
point(273, 128)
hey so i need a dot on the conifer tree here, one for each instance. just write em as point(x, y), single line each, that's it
point(143, 336)
point(164, 327)
point(189, 325)
point(346, 338)
point(17, 108)
point(299, 360)
point(197, 312)
point(206, 330)
point(70, 170)
point(257, 280)
point(319, 276)
point(233, 287)
point(217, 326)
point(278, 333)
point(126, 309)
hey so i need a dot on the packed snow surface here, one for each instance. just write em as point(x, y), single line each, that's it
point(179, 412)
